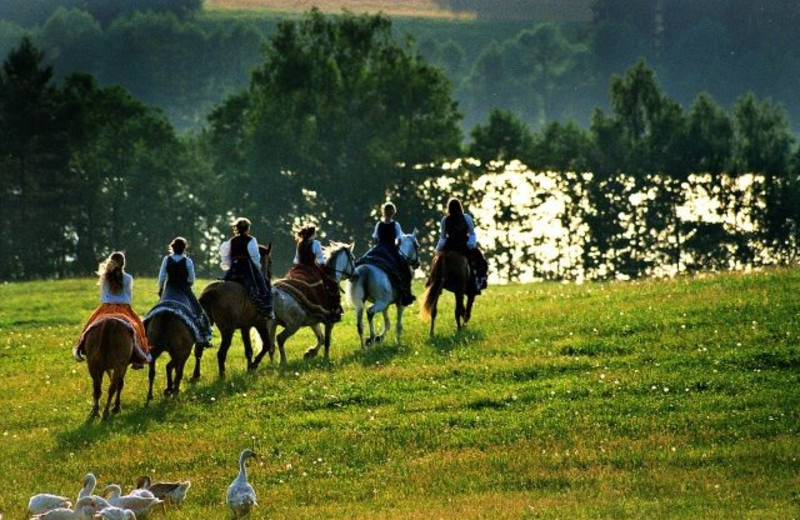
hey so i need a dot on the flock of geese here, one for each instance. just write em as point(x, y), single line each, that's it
point(111, 504)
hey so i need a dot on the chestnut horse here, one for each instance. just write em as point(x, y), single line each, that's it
point(166, 332)
point(228, 306)
point(451, 271)
point(109, 345)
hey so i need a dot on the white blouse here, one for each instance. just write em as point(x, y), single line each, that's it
point(225, 253)
point(106, 296)
point(398, 231)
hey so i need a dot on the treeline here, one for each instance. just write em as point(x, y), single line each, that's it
point(338, 116)
point(545, 67)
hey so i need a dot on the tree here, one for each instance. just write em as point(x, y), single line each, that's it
point(503, 138)
point(338, 113)
point(33, 158)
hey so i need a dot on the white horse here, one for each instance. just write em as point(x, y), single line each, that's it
point(371, 283)
point(290, 314)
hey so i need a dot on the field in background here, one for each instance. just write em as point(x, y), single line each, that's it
point(408, 8)
point(653, 399)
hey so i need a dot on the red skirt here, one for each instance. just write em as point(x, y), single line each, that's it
point(124, 312)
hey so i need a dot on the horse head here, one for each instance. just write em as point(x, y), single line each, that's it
point(266, 260)
point(409, 248)
point(341, 261)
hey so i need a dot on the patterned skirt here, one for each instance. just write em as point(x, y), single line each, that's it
point(125, 313)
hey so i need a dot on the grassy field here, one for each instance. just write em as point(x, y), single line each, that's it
point(657, 399)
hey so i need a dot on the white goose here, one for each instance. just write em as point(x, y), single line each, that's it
point(89, 483)
point(241, 495)
point(82, 511)
point(114, 513)
point(139, 505)
point(44, 502)
point(172, 492)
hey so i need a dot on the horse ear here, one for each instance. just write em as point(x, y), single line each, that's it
point(414, 233)
point(269, 247)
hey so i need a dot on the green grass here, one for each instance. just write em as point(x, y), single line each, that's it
point(657, 399)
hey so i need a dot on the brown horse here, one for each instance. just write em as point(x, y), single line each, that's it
point(451, 271)
point(109, 346)
point(166, 332)
point(229, 308)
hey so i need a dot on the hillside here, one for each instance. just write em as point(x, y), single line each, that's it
point(655, 399)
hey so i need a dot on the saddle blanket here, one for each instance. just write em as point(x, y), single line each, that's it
point(137, 348)
point(184, 313)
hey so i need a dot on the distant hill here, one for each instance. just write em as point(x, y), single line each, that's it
point(536, 10)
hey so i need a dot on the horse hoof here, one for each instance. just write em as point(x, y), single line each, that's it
point(167, 391)
point(310, 354)
point(379, 339)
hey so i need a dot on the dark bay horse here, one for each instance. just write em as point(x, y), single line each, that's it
point(229, 308)
point(450, 271)
point(166, 332)
point(109, 345)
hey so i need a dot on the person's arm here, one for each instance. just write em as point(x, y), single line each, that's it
point(472, 238)
point(225, 255)
point(317, 248)
point(398, 232)
point(442, 237)
point(252, 248)
point(162, 274)
point(127, 287)
point(190, 268)
point(375, 233)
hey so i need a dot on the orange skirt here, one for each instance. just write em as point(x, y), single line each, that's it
point(121, 311)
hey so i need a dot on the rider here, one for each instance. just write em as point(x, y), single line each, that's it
point(310, 256)
point(387, 235)
point(175, 279)
point(116, 290)
point(457, 233)
point(242, 261)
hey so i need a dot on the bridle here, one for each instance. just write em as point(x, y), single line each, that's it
point(415, 261)
point(349, 269)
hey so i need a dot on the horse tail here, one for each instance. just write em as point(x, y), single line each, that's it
point(434, 289)
point(207, 301)
point(356, 289)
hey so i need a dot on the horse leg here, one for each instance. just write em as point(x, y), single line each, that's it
point(374, 309)
point(399, 325)
point(387, 325)
point(248, 346)
point(97, 381)
point(120, 375)
point(314, 350)
point(328, 335)
point(459, 309)
point(112, 388)
point(222, 353)
point(267, 335)
point(360, 324)
point(470, 301)
point(151, 375)
point(434, 312)
point(176, 384)
point(285, 334)
point(198, 355)
point(170, 368)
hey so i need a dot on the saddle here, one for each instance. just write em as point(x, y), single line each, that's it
point(185, 314)
point(317, 294)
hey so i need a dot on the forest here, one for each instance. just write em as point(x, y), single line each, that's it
point(121, 129)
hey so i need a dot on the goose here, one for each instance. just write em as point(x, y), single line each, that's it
point(139, 505)
point(82, 511)
point(241, 495)
point(89, 483)
point(114, 513)
point(44, 502)
point(172, 492)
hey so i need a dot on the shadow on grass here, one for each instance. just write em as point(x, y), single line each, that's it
point(444, 344)
point(382, 353)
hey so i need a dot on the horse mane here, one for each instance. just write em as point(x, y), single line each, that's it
point(335, 247)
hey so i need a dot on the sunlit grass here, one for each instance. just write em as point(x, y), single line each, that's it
point(408, 8)
point(655, 399)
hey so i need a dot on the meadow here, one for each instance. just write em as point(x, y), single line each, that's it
point(651, 399)
point(408, 8)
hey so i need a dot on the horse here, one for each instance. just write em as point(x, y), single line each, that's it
point(371, 283)
point(109, 345)
point(228, 306)
point(166, 332)
point(450, 271)
point(290, 314)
